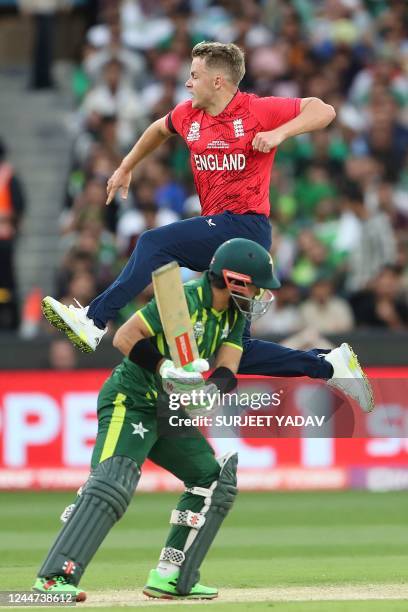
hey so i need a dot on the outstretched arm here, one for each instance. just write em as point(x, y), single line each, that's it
point(314, 115)
point(151, 139)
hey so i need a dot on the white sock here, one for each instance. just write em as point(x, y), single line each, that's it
point(166, 568)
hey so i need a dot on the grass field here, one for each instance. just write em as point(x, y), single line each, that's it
point(313, 551)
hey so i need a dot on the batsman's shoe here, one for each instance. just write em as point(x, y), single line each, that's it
point(73, 321)
point(348, 376)
point(58, 585)
point(165, 588)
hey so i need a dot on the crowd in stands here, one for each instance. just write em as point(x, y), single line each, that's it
point(339, 197)
point(12, 206)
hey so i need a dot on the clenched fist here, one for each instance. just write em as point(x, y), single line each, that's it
point(266, 141)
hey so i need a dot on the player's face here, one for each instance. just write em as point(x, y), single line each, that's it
point(202, 83)
point(255, 303)
point(253, 291)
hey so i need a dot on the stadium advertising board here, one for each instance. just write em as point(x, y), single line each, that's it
point(48, 427)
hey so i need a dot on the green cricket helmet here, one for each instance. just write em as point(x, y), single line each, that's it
point(240, 262)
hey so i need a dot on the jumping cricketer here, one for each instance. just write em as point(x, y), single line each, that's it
point(232, 137)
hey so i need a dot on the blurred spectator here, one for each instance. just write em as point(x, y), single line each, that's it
point(94, 253)
point(387, 138)
point(384, 303)
point(325, 312)
point(312, 260)
point(192, 207)
point(169, 193)
point(339, 197)
point(114, 96)
point(95, 59)
point(31, 315)
point(75, 261)
point(12, 205)
point(12, 200)
point(44, 14)
point(283, 315)
point(81, 287)
point(311, 189)
point(146, 216)
point(375, 245)
point(88, 205)
point(62, 355)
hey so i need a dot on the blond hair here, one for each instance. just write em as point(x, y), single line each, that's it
point(228, 57)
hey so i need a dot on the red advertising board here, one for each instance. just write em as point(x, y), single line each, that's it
point(48, 427)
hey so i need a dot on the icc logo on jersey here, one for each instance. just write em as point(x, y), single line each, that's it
point(198, 329)
point(194, 132)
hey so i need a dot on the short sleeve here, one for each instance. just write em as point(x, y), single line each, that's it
point(150, 313)
point(169, 124)
point(174, 120)
point(234, 338)
point(151, 318)
point(272, 111)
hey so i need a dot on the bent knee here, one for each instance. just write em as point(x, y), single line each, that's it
point(204, 477)
point(156, 237)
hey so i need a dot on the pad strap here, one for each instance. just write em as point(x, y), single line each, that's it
point(172, 555)
point(187, 518)
point(199, 491)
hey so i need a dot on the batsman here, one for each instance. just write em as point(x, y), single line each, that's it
point(236, 288)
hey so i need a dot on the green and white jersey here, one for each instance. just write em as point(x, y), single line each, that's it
point(212, 329)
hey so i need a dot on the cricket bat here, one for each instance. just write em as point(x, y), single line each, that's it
point(173, 310)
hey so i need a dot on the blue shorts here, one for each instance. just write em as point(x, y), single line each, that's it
point(192, 244)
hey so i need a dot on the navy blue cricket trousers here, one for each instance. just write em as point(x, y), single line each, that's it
point(192, 244)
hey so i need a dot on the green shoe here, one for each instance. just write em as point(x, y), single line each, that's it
point(165, 588)
point(58, 585)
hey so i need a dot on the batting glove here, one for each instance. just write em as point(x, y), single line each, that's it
point(183, 380)
point(205, 402)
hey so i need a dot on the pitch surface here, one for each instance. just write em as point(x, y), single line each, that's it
point(278, 551)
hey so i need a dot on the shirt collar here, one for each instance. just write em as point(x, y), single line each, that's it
point(204, 282)
point(232, 104)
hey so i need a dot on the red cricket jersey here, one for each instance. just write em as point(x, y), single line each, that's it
point(228, 173)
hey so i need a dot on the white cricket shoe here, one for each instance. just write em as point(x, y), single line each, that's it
point(73, 321)
point(349, 377)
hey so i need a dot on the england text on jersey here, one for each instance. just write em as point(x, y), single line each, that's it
point(228, 173)
point(233, 161)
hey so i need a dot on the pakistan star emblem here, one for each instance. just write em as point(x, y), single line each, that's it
point(139, 429)
point(225, 332)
